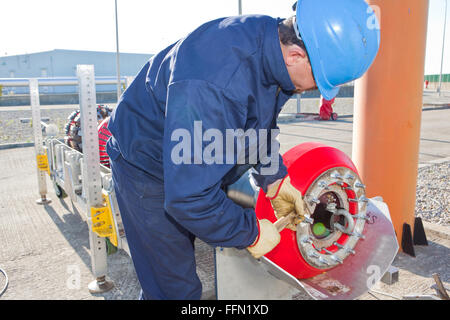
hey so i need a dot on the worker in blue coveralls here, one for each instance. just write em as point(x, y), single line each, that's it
point(229, 74)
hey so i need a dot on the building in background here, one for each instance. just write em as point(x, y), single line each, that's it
point(63, 63)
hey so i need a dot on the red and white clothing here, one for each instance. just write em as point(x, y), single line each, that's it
point(103, 136)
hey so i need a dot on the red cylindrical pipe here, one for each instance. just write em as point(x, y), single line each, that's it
point(305, 163)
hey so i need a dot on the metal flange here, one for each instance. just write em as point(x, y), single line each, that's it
point(339, 192)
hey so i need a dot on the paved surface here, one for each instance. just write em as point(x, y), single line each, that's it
point(431, 98)
point(44, 248)
point(434, 137)
point(344, 106)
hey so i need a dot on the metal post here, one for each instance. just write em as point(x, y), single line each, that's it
point(240, 7)
point(298, 103)
point(38, 141)
point(443, 46)
point(128, 81)
point(386, 127)
point(92, 185)
point(119, 89)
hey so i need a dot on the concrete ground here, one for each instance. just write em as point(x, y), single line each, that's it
point(434, 138)
point(45, 249)
point(344, 106)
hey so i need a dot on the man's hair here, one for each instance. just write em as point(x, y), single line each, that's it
point(287, 34)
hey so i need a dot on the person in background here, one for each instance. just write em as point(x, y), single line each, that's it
point(103, 136)
point(72, 129)
point(326, 109)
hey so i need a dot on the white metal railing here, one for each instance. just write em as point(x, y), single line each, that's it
point(59, 81)
point(80, 175)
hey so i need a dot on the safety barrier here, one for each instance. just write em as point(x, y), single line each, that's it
point(60, 81)
point(81, 176)
point(14, 91)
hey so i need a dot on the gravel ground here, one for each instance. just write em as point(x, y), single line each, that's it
point(12, 130)
point(433, 193)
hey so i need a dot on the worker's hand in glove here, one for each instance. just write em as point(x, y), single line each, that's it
point(285, 199)
point(268, 238)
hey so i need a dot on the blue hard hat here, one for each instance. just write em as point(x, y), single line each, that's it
point(342, 39)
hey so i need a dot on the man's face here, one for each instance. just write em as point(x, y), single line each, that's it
point(299, 68)
point(302, 76)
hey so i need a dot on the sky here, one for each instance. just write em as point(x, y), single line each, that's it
point(148, 26)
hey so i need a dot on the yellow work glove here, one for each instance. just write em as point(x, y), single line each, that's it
point(285, 198)
point(268, 238)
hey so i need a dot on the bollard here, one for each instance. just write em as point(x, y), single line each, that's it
point(388, 109)
point(92, 186)
point(41, 156)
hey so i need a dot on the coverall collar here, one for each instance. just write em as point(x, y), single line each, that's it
point(275, 71)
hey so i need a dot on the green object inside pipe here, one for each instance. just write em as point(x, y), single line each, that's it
point(319, 229)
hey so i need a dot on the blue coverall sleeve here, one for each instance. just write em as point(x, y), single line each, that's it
point(193, 172)
point(265, 177)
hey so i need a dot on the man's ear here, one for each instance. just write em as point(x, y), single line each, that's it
point(295, 54)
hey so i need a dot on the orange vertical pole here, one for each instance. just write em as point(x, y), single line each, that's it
point(388, 109)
